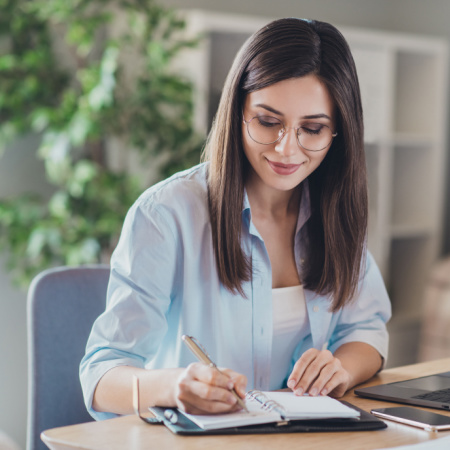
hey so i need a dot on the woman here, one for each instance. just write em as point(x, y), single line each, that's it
point(259, 252)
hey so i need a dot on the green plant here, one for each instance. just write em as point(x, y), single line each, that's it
point(111, 85)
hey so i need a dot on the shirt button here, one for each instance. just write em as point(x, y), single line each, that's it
point(316, 309)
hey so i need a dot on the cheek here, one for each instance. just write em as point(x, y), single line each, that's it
point(317, 159)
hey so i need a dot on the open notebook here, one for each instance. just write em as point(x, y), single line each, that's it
point(268, 407)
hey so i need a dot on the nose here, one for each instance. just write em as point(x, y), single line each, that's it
point(287, 145)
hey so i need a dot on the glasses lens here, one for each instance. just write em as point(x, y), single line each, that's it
point(265, 129)
point(314, 136)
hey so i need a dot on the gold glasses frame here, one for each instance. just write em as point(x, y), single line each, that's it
point(282, 133)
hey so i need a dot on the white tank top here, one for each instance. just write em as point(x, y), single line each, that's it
point(290, 325)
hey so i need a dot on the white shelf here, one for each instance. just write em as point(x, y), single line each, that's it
point(410, 261)
point(415, 140)
point(413, 189)
point(415, 109)
point(412, 230)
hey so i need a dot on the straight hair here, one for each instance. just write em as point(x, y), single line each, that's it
point(337, 229)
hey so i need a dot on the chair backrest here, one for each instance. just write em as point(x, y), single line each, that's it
point(62, 306)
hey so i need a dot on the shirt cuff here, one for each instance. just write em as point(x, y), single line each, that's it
point(378, 339)
point(90, 375)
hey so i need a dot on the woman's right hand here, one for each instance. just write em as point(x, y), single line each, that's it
point(201, 389)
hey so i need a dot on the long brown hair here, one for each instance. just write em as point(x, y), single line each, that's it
point(284, 49)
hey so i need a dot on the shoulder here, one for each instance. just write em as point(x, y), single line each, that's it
point(188, 186)
point(180, 197)
point(369, 267)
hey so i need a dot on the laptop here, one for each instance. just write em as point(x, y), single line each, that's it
point(432, 391)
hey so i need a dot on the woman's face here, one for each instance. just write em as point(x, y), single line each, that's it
point(296, 102)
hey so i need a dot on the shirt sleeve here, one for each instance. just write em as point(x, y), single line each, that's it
point(364, 319)
point(143, 269)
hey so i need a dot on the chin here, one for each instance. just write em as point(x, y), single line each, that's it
point(285, 185)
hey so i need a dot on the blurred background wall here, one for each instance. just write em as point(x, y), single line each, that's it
point(19, 170)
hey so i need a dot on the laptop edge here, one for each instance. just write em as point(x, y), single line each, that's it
point(400, 392)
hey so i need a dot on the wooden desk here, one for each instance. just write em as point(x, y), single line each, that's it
point(129, 432)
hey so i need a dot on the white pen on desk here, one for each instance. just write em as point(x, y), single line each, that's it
point(204, 358)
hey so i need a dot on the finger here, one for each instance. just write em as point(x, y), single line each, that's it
point(316, 361)
point(198, 406)
point(204, 397)
point(209, 375)
point(338, 384)
point(300, 366)
point(338, 391)
point(239, 381)
point(214, 393)
point(206, 389)
point(326, 374)
point(209, 392)
point(203, 407)
point(314, 370)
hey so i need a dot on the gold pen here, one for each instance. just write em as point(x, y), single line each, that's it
point(202, 356)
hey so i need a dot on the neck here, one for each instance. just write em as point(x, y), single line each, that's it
point(270, 202)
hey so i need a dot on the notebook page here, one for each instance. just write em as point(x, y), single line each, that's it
point(238, 419)
point(306, 407)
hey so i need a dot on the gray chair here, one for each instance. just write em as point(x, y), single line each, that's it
point(62, 306)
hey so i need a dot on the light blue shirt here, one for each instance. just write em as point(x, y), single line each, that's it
point(164, 284)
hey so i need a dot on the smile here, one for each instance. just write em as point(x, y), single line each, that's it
point(283, 169)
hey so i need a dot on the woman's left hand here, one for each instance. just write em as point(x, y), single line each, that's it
point(319, 373)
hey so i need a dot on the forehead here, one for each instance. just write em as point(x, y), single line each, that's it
point(295, 97)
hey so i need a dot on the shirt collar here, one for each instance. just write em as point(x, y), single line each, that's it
point(247, 216)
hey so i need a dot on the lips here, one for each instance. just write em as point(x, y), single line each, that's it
point(283, 169)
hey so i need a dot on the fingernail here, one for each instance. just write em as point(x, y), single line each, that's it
point(324, 392)
point(313, 391)
point(231, 399)
point(291, 384)
point(230, 385)
point(298, 391)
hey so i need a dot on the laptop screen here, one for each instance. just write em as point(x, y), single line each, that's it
point(430, 383)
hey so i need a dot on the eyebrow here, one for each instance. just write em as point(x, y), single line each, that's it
point(309, 116)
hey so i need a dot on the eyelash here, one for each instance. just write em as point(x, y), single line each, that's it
point(312, 131)
point(267, 124)
point(304, 128)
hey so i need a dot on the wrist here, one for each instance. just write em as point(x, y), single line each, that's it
point(350, 380)
point(162, 387)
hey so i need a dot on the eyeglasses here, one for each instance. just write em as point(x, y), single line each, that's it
point(267, 130)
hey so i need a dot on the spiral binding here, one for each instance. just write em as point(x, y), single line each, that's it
point(267, 404)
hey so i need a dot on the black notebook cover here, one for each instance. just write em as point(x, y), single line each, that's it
point(183, 426)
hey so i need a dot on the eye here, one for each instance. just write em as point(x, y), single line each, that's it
point(267, 121)
point(314, 128)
